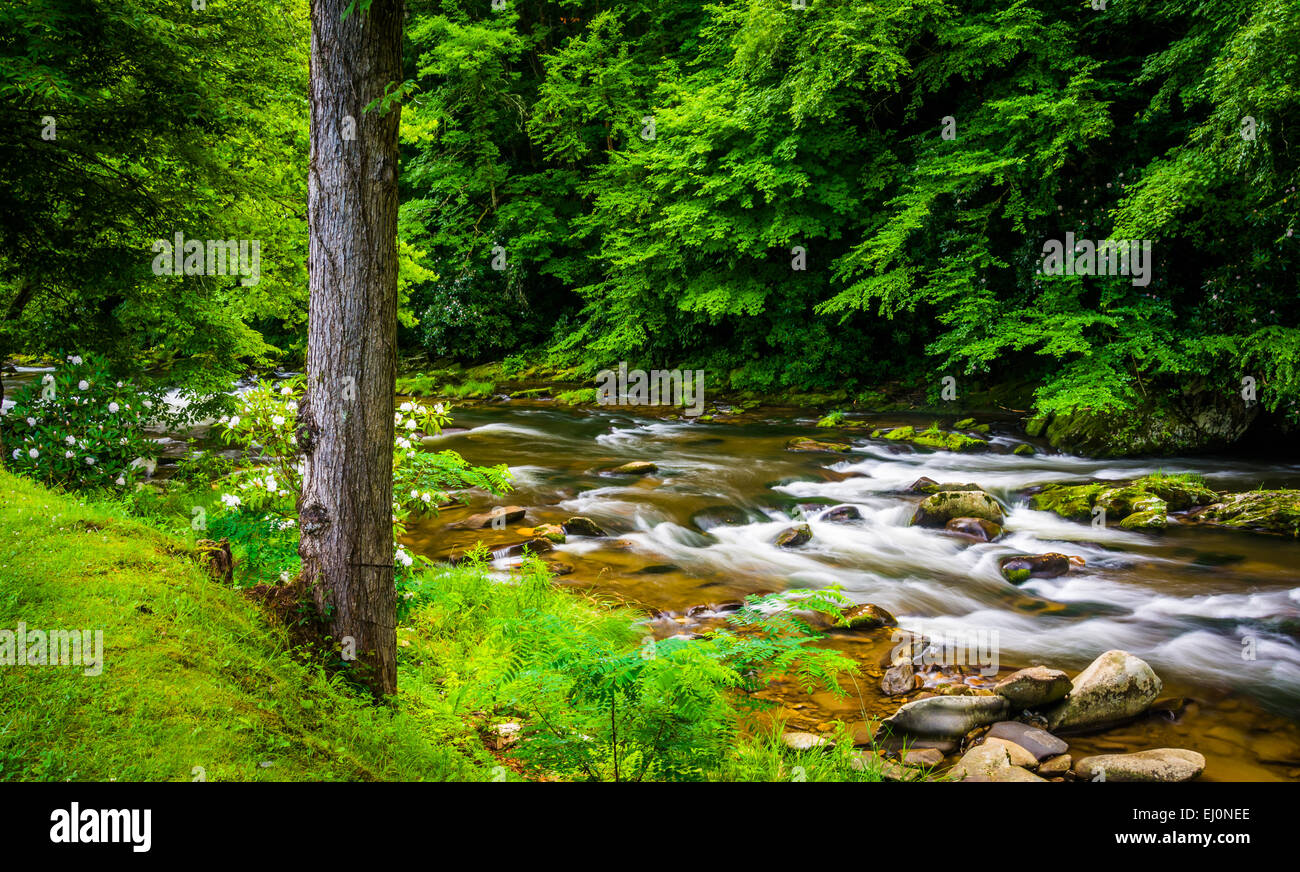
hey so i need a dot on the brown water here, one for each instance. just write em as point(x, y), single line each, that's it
point(1183, 600)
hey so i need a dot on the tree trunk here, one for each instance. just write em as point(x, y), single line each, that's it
point(346, 421)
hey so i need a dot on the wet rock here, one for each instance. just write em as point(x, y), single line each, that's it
point(1115, 687)
point(1040, 743)
point(898, 679)
point(865, 617)
point(943, 440)
point(923, 757)
point(1149, 513)
point(1058, 765)
point(803, 443)
point(939, 508)
point(947, 715)
point(793, 537)
point(551, 532)
point(1024, 449)
point(926, 485)
point(1163, 765)
point(841, 515)
point(1276, 511)
point(530, 546)
point(579, 526)
point(1150, 497)
point(977, 529)
point(1033, 687)
point(498, 517)
point(558, 567)
point(636, 467)
point(799, 741)
point(1022, 567)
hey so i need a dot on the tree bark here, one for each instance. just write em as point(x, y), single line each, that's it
point(346, 421)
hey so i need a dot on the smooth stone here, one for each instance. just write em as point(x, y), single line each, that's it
point(800, 741)
point(947, 715)
point(1034, 687)
point(1022, 567)
point(979, 529)
point(1115, 687)
point(868, 616)
point(1019, 756)
point(1058, 765)
point(1040, 743)
point(923, 757)
point(841, 515)
point(1162, 765)
point(636, 467)
point(939, 508)
point(898, 679)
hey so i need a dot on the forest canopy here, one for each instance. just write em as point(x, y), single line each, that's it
point(828, 196)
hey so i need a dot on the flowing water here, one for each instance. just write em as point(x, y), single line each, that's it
point(699, 532)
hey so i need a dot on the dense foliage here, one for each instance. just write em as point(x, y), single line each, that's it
point(643, 182)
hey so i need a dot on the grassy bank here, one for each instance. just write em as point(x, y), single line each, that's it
point(497, 681)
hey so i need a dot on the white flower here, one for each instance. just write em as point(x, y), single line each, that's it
point(119, 384)
point(75, 360)
point(90, 461)
point(285, 391)
point(270, 483)
point(33, 453)
point(403, 442)
point(410, 425)
point(148, 404)
point(397, 418)
point(438, 408)
point(83, 385)
point(278, 420)
point(234, 422)
point(48, 379)
point(120, 481)
point(230, 501)
point(292, 405)
point(407, 407)
point(425, 497)
point(112, 408)
point(71, 440)
point(415, 494)
point(69, 454)
point(404, 557)
point(31, 422)
point(18, 452)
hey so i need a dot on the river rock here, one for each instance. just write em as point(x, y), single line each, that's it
point(550, 532)
point(532, 546)
point(947, 715)
point(868, 616)
point(636, 467)
point(1018, 755)
point(498, 517)
point(1115, 687)
point(1058, 765)
point(898, 679)
point(923, 757)
point(974, 528)
point(1164, 765)
point(793, 537)
point(1040, 743)
point(583, 527)
point(841, 515)
point(799, 741)
point(803, 443)
point(939, 508)
point(1022, 567)
point(1033, 687)
point(927, 485)
point(991, 763)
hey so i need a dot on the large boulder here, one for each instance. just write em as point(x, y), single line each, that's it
point(990, 762)
point(1276, 511)
point(1186, 418)
point(1033, 687)
point(947, 715)
point(579, 526)
point(1164, 765)
point(1115, 687)
point(939, 508)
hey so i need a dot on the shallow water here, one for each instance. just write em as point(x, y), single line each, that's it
point(1184, 600)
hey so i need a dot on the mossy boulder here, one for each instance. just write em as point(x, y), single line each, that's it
point(941, 440)
point(1150, 499)
point(793, 537)
point(551, 532)
point(1275, 511)
point(803, 443)
point(865, 617)
point(1021, 567)
point(926, 485)
point(1180, 420)
point(939, 508)
point(1024, 449)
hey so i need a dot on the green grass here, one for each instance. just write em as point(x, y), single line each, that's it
point(193, 675)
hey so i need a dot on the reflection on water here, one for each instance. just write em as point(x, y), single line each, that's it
point(700, 531)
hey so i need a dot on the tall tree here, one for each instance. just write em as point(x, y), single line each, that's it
point(346, 427)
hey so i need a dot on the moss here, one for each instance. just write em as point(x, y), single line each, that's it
point(942, 440)
point(1276, 511)
point(583, 396)
point(1025, 450)
point(833, 419)
point(1074, 501)
point(1150, 496)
